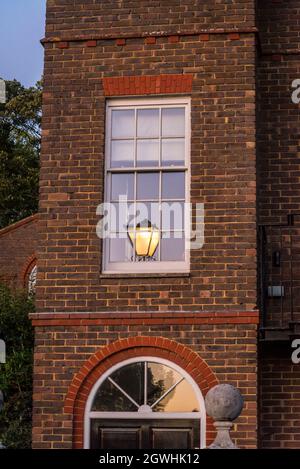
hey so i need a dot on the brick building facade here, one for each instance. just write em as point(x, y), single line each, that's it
point(113, 50)
point(233, 64)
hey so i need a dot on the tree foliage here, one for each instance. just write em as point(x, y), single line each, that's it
point(20, 119)
point(16, 373)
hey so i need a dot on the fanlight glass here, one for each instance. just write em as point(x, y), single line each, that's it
point(145, 387)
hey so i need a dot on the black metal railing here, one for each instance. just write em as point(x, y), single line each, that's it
point(279, 274)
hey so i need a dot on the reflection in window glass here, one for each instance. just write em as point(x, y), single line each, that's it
point(121, 216)
point(165, 390)
point(122, 123)
point(120, 249)
point(173, 122)
point(122, 153)
point(110, 399)
point(173, 185)
point(173, 152)
point(131, 379)
point(122, 185)
point(173, 248)
point(148, 211)
point(160, 379)
point(172, 215)
point(147, 186)
point(181, 399)
point(147, 153)
point(148, 123)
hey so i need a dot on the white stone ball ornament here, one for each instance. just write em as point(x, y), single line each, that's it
point(224, 403)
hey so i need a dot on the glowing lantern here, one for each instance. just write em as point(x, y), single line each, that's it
point(144, 238)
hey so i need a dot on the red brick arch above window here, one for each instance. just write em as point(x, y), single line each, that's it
point(124, 349)
point(148, 85)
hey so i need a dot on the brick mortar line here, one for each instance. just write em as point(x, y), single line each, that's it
point(99, 37)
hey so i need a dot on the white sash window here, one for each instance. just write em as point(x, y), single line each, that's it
point(147, 179)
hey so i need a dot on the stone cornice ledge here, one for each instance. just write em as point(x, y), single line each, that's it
point(113, 318)
point(141, 34)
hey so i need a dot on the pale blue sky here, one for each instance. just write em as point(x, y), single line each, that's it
point(22, 25)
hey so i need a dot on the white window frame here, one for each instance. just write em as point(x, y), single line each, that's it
point(89, 414)
point(155, 266)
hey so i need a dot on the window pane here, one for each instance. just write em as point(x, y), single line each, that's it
point(159, 379)
point(120, 249)
point(173, 152)
point(131, 379)
point(147, 186)
point(181, 399)
point(120, 216)
point(122, 153)
point(173, 185)
point(172, 214)
point(173, 122)
point(147, 211)
point(147, 153)
point(122, 185)
point(173, 247)
point(110, 399)
point(123, 124)
point(148, 123)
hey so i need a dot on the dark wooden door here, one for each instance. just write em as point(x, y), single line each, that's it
point(145, 434)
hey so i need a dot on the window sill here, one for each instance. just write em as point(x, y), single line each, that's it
point(125, 275)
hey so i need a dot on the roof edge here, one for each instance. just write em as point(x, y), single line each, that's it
point(18, 224)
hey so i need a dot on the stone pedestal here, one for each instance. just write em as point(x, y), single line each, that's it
point(223, 440)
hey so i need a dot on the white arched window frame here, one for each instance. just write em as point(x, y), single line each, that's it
point(89, 414)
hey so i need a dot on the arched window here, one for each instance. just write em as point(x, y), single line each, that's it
point(32, 280)
point(145, 402)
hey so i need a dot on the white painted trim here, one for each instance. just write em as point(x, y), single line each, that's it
point(157, 266)
point(201, 415)
point(144, 416)
point(124, 103)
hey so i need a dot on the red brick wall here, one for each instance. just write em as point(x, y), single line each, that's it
point(18, 244)
point(278, 117)
point(279, 407)
point(135, 17)
point(61, 350)
point(279, 194)
point(223, 273)
point(278, 25)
